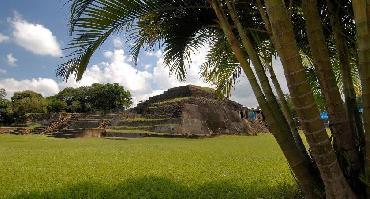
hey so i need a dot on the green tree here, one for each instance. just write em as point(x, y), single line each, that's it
point(55, 105)
point(97, 97)
point(28, 102)
point(109, 97)
point(2, 93)
point(75, 107)
point(6, 112)
point(75, 98)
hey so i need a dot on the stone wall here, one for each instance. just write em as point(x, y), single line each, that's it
point(209, 116)
point(177, 92)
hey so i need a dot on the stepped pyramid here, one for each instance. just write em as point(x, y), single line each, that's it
point(191, 110)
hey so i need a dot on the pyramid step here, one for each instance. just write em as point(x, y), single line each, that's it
point(165, 128)
point(130, 127)
point(148, 122)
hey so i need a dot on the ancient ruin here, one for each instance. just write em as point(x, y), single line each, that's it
point(196, 110)
point(185, 111)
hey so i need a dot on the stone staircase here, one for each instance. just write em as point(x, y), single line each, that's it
point(60, 123)
point(39, 130)
point(143, 127)
point(79, 125)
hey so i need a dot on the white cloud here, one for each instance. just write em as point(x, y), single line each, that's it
point(143, 84)
point(3, 38)
point(11, 59)
point(161, 73)
point(117, 68)
point(279, 72)
point(243, 93)
point(2, 71)
point(35, 38)
point(45, 86)
point(157, 53)
point(108, 54)
point(117, 43)
point(147, 66)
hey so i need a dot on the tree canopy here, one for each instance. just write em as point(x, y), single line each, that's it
point(97, 97)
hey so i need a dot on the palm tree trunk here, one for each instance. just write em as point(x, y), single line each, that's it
point(310, 184)
point(344, 60)
point(286, 111)
point(284, 104)
point(260, 71)
point(345, 138)
point(361, 9)
point(348, 88)
point(336, 185)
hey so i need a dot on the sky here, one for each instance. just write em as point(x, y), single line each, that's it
point(33, 34)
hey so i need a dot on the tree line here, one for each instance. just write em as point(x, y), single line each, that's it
point(95, 98)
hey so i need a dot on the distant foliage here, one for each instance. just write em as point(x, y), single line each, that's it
point(28, 102)
point(55, 105)
point(97, 97)
point(108, 97)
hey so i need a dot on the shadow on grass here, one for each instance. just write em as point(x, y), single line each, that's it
point(156, 187)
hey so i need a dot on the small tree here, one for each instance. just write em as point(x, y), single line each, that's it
point(6, 112)
point(28, 102)
point(109, 97)
point(2, 93)
point(55, 105)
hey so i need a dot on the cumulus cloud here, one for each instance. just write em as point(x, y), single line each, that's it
point(35, 38)
point(163, 79)
point(142, 84)
point(157, 53)
point(11, 59)
point(2, 71)
point(117, 43)
point(3, 38)
point(243, 93)
point(279, 71)
point(45, 86)
point(117, 68)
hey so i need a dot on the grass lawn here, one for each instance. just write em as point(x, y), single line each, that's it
point(221, 167)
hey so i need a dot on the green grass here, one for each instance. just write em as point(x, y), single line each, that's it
point(33, 125)
point(127, 131)
point(221, 167)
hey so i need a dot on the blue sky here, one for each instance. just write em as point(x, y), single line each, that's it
point(34, 32)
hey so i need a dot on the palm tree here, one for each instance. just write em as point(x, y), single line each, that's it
point(361, 10)
point(345, 138)
point(323, 153)
point(236, 32)
point(346, 69)
point(266, 54)
point(301, 168)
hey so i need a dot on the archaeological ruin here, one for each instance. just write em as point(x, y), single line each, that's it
point(185, 111)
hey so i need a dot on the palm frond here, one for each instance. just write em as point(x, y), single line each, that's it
point(93, 21)
point(221, 67)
